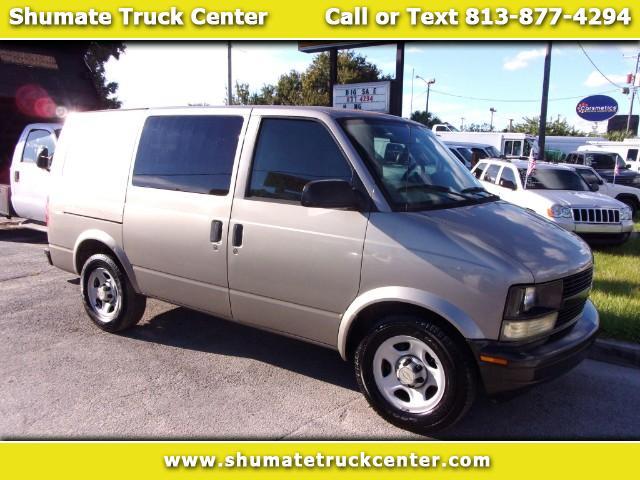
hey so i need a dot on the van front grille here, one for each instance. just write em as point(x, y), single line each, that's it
point(573, 305)
point(596, 215)
point(577, 283)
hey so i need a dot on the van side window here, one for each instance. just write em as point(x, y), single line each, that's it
point(632, 155)
point(35, 142)
point(187, 153)
point(291, 153)
point(492, 173)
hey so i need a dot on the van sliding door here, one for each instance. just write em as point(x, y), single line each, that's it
point(178, 206)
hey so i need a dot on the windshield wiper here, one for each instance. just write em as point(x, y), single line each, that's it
point(478, 190)
point(434, 189)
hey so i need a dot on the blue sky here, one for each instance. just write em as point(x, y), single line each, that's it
point(161, 74)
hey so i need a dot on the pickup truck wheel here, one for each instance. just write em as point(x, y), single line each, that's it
point(108, 296)
point(415, 375)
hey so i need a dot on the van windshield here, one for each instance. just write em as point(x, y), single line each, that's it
point(414, 170)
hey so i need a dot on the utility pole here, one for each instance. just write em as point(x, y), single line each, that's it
point(542, 131)
point(633, 93)
point(462, 123)
point(429, 83)
point(510, 124)
point(413, 76)
point(333, 72)
point(229, 90)
point(492, 110)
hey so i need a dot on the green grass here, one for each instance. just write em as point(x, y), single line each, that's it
point(616, 289)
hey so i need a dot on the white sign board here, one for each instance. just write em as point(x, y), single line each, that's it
point(372, 97)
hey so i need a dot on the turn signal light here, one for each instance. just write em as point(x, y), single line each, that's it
point(494, 360)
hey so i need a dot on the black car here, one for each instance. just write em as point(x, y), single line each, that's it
point(604, 163)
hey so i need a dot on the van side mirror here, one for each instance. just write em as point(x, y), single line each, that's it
point(42, 160)
point(337, 194)
point(594, 186)
point(507, 184)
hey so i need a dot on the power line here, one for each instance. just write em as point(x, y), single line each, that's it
point(596, 67)
point(512, 100)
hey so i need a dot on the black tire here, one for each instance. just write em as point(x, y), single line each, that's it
point(459, 370)
point(631, 203)
point(131, 305)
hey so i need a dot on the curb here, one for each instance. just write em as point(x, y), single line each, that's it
point(617, 352)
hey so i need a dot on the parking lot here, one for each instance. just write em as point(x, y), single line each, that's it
point(182, 374)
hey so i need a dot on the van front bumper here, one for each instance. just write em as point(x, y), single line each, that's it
point(528, 365)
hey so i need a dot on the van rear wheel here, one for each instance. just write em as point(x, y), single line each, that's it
point(414, 374)
point(108, 296)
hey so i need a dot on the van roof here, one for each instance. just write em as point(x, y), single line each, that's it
point(329, 111)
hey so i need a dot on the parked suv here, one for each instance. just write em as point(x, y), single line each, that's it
point(604, 163)
point(296, 220)
point(628, 195)
point(561, 195)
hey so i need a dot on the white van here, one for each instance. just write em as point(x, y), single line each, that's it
point(628, 149)
point(510, 145)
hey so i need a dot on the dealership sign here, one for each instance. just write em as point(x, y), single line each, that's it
point(597, 108)
point(372, 97)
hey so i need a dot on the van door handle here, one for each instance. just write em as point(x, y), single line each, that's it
point(16, 176)
point(237, 235)
point(216, 231)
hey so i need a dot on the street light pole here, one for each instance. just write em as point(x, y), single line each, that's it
point(462, 124)
point(229, 90)
point(492, 110)
point(429, 83)
point(633, 94)
point(413, 76)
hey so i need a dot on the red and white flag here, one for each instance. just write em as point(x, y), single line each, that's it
point(532, 163)
point(531, 167)
point(616, 171)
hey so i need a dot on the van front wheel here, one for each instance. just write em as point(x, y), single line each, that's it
point(414, 374)
point(108, 295)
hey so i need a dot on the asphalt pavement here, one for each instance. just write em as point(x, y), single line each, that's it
point(183, 374)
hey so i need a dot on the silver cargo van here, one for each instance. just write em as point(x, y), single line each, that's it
point(354, 231)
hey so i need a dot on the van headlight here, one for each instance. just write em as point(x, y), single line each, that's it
point(559, 211)
point(625, 213)
point(531, 310)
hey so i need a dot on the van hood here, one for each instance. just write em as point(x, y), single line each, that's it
point(571, 198)
point(548, 251)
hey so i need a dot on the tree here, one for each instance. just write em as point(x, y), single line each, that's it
point(478, 127)
point(619, 135)
point(311, 87)
point(559, 127)
point(96, 56)
point(427, 119)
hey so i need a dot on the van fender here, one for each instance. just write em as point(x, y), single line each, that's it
point(110, 242)
point(456, 317)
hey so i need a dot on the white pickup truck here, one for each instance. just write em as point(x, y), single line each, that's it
point(26, 196)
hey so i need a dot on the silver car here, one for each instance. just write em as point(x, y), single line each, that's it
point(358, 232)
